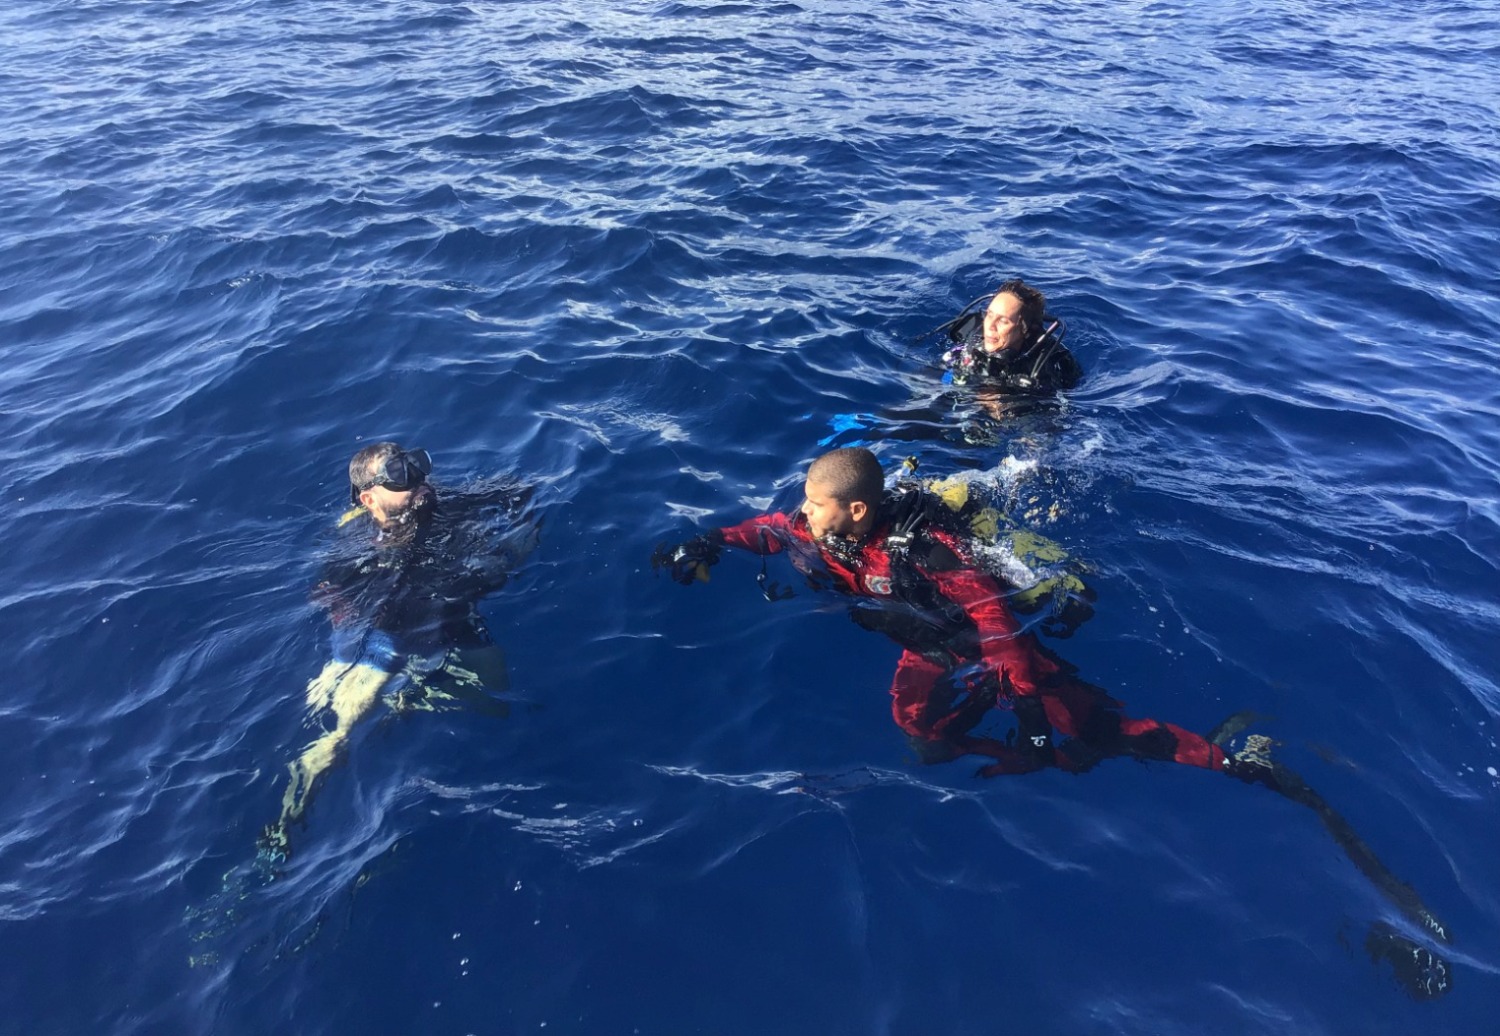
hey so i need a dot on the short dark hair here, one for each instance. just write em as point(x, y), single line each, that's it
point(364, 465)
point(850, 474)
point(1033, 306)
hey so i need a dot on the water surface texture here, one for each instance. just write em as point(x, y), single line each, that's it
point(649, 257)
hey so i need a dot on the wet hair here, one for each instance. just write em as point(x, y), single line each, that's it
point(850, 474)
point(364, 464)
point(1033, 306)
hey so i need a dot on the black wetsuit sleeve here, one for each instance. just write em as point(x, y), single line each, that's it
point(337, 592)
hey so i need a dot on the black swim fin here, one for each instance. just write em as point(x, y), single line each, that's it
point(1422, 973)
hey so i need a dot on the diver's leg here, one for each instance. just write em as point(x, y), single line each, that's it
point(922, 705)
point(475, 675)
point(320, 688)
point(470, 677)
point(1098, 729)
point(1154, 739)
point(350, 693)
point(912, 690)
point(487, 662)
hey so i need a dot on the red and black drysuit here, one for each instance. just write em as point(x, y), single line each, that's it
point(965, 653)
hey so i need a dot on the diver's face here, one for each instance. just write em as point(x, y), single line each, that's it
point(1002, 324)
point(395, 505)
point(827, 515)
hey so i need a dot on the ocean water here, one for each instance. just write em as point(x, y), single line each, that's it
point(652, 258)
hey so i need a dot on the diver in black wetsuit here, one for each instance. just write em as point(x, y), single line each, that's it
point(1012, 347)
point(402, 591)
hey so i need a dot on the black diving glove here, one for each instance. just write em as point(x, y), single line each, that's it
point(688, 561)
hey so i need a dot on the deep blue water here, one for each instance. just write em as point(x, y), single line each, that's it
point(643, 256)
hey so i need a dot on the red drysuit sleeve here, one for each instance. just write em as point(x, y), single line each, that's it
point(762, 534)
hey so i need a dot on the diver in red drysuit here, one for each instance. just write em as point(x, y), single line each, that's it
point(964, 652)
point(914, 579)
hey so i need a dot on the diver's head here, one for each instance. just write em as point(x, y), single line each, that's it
point(842, 494)
point(1015, 316)
point(389, 482)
